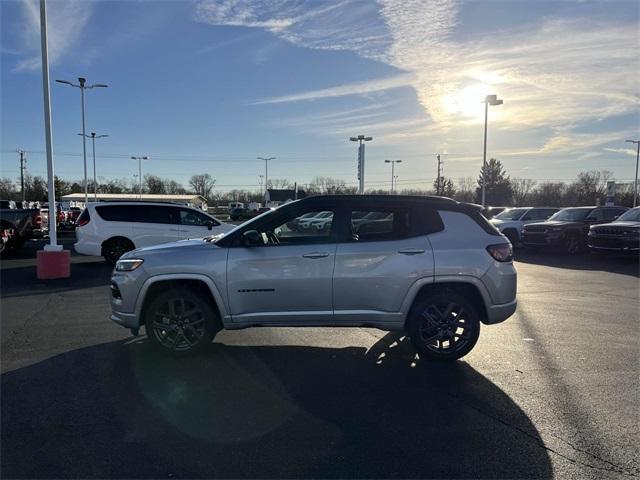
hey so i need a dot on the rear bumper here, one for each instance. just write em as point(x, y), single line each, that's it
point(499, 313)
point(88, 248)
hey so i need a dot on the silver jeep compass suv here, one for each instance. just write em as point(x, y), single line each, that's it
point(428, 265)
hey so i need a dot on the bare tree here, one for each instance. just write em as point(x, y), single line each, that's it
point(155, 184)
point(327, 186)
point(277, 183)
point(8, 189)
point(521, 189)
point(202, 184)
point(466, 190)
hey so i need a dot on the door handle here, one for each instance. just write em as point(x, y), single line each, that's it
point(316, 255)
point(177, 230)
point(411, 251)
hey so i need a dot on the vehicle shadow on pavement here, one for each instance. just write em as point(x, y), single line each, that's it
point(623, 264)
point(22, 281)
point(121, 410)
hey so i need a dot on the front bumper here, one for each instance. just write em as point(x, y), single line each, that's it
point(127, 320)
point(613, 243)
point(546, 239)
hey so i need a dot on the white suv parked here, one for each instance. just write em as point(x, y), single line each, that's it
point(511, 221)
point(428, 265)
point(110, 229)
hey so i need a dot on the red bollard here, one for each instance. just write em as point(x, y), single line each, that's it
point(53, 264)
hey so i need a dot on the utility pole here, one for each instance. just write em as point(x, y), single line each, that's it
point(140, 173)
point(93, 137)
point(23, 161)
point(393, 176)
point(438, 179)
point(266, 171)
point(635, 182)
point(83, 86)
point(361, 139)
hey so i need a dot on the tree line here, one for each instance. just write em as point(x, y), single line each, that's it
point(588, 188)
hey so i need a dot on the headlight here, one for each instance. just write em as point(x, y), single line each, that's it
point(128, 265)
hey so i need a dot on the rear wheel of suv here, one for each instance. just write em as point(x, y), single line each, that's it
point(444, 325)
point(180, 322)
point(113, 249)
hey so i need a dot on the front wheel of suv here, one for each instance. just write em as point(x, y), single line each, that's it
point(179, 322)
point(444, 325)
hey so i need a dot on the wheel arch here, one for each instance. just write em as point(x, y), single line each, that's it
point(159, 283)
point(117, 237)
point(470, 287)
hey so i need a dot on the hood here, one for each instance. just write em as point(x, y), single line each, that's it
point(172, 247)
point(553, 223)
point(621, 225)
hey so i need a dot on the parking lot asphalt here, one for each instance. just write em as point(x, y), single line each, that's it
point(552, 392)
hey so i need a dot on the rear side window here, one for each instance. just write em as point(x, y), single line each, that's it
point(115, 213)
point(139, 213)
point(611, 214)
point(461, 222)
point(393, 223)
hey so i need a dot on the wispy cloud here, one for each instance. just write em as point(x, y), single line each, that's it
point(67, 20)
point(626, 151)
point(551, 72)
point(357, 88)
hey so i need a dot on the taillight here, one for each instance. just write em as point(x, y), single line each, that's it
point(502, 252)
point(84, 218)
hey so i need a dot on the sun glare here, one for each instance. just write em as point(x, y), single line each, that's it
point(467, 101)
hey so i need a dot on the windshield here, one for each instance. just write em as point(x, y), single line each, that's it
point(571, 214)
point(632, 215)
point(511, 214)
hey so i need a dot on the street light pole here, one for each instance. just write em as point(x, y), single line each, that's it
point(83, 86)
point(361, 139)
point(393, 163)
point(635, 182)
point(140, 173)
point(489, 100)
point(93, 137)
point(266, 171)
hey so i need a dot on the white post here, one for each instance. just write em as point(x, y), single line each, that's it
point(53, 233)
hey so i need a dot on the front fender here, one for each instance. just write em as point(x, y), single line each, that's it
point(220, 303)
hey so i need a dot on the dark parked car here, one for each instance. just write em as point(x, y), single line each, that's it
point(619, 236)
point(17, 225)
point(567, 230)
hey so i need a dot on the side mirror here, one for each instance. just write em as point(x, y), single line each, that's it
point(209, 225)
point(251, 238)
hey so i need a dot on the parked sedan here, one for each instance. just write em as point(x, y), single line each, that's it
point(619, 236)
point(567, 230)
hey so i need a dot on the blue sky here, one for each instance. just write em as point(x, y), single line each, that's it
point(207, 86)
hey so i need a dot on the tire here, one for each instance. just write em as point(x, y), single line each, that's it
point(512, 236)
point(431, 329)
point(571, 245)
point(113, 249)
point(172, 332)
